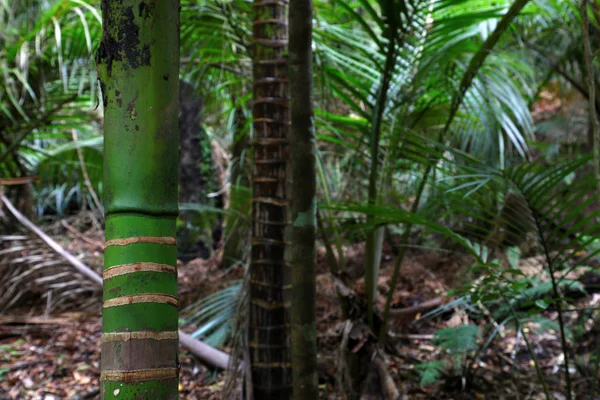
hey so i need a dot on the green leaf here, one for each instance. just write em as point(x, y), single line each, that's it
point(431, 371)
point(459, 339)
point(514, 254)
point(541, 304)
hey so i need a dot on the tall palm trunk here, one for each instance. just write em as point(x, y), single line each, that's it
point(269, 321)
point(138, 66)
point(303, 256)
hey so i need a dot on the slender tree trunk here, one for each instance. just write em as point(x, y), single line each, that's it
point(591, 81)
point(236, 227)
point(303, 256)
point(138, 66)
point(374, 242)
point(194, 180)
point(269, 322)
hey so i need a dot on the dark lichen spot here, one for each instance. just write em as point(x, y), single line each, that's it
point(131, 105)
point(145, 55)
point(121, 37)
point(137, 128)
point(166, 77)
point(120, 102)
point(141, 8)
point(145, 10)
point(115, 291)
point(117, 93)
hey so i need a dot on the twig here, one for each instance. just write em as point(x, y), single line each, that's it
point(81, 236)
point(411, 336)
point(536, 363)
point(204, 352)
point(506, 358)
point(23, 180)
point(86, 177)
point(557, 293)
point(425, 306)
point(35, 320)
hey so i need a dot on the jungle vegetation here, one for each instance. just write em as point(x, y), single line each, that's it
point(317, 138)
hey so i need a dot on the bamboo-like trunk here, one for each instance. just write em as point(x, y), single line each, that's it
point(138, 66)
point(269, 321)
point(303, 256)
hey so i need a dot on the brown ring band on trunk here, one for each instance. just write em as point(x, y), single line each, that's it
point(270, 306)
point(171, 241)
point(138, 335)
point(141, 298)
point(124, 269)
point(139, 375)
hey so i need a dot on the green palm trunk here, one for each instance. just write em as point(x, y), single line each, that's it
point(269, 321)
point(138, 66)
point(303, 256)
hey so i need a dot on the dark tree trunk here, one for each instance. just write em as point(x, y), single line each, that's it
point(197, 232)
point(236, 228)
point(192, 182)
point(302, 250)
point(269, 322)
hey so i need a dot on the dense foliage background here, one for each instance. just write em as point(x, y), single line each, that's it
point(458, 130)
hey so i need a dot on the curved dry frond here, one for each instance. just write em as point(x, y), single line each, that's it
point(31, 273)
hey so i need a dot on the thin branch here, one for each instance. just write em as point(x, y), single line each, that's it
point(555, 66)
point(557, 294)
point(536, 363)
point(86, 177)
point(419, 308)
point(79, 266)
point(18, 181)
point(99, 246)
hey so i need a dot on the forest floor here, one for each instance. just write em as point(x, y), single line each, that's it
point(57, 356)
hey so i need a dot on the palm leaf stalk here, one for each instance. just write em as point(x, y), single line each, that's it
point(375, 236)
point(474, 66)
point(269, 316)
point(302, 250)
point(138, 67)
